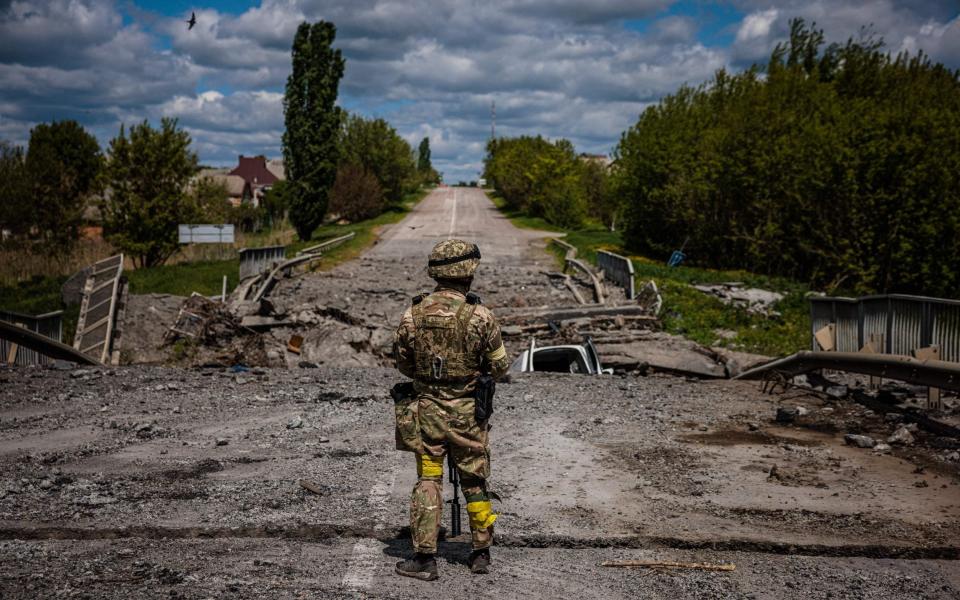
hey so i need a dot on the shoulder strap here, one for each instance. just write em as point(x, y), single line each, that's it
point(464, 314)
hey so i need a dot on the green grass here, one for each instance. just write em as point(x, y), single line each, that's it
point(688, 312)
point(185, 278)
point(519, 219)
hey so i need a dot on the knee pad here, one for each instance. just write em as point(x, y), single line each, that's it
point(481, 514)
point(429, 467)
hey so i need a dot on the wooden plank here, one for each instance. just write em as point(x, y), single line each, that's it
point(669, 564)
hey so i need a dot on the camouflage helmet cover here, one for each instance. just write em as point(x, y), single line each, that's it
point(453, 259)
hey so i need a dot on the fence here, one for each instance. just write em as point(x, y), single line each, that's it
point(894, 324)
point(49, 325)
point(254, 261)
point(102, 297)
point(618, 269)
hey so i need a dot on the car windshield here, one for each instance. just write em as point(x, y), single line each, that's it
point(559, 360)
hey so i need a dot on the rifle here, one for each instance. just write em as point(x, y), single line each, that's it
point(455, 501)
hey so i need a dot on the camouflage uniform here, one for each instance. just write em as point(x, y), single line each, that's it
point(443, 343)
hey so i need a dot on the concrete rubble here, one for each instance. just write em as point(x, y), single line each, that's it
point(754, 300)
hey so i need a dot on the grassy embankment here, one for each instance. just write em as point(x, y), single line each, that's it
point(42, 294)
point(691, 313)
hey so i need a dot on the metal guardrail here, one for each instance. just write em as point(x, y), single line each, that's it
point(48, 325)
point(933, 373)
point(618, 269)
point(254, 261)
point(893, 323)
point(327, 244)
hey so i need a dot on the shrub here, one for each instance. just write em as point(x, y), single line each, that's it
point(356, 194)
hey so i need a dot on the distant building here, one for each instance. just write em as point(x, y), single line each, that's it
point(238, 190)
point(601, 159)
point(276, 167)
point(260, 174)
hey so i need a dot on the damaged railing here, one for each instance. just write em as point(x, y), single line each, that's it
point(49, 325)
point(889, 324)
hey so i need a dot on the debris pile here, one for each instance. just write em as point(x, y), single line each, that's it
point(756, 301)
point(207, 334)
point(886, 420)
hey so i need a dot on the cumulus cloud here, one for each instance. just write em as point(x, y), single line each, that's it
point(756, 25)
point(562, 68)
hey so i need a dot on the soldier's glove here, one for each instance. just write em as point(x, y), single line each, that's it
point(402, 391)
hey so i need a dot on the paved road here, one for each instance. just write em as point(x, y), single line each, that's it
point(453, 212)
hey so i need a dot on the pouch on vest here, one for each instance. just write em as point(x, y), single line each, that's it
point(405, 408)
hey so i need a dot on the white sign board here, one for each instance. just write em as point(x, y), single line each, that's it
point(205, 234)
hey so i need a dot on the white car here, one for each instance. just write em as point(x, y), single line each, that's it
point(579, 358)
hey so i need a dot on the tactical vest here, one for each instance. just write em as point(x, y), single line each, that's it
point(441, 346)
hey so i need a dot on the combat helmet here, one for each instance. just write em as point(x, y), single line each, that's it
point(453, 259)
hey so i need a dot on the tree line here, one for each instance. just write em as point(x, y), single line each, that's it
point(836, 165)
point(146, 181)
point(549, 180)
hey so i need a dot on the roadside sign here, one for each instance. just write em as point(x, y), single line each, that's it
point(205, 234)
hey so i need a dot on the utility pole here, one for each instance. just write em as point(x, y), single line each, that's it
point(493, 119)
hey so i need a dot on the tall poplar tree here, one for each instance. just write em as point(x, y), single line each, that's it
point(312, 121)
point(423, 156)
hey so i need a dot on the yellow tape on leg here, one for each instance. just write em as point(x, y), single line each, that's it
point(429, 466)
point(481, 514)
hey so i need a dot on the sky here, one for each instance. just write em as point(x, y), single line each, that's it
point(577, 69)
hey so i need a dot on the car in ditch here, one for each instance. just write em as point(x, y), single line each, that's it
point(569, 358)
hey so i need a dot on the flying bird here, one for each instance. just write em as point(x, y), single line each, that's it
point(192, 21)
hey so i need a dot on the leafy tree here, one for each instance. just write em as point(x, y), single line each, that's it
point(209, 196)
point(62, 165)
point(15, 209)
point(312, 121)
point(840, 165)
point(538, 177)
point(376, 146)
point(147, 173)
point(275, 203)
point(601, 200)
point(356, 194)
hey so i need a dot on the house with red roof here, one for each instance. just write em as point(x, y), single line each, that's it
point(259, 174)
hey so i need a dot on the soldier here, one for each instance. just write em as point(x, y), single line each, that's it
point(445, 341)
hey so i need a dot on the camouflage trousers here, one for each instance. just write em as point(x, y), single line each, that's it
point(448, 426)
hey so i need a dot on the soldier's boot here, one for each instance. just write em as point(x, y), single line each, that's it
point(480, 561)
point(421, 566)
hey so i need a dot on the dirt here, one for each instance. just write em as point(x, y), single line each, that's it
point(148, 481)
